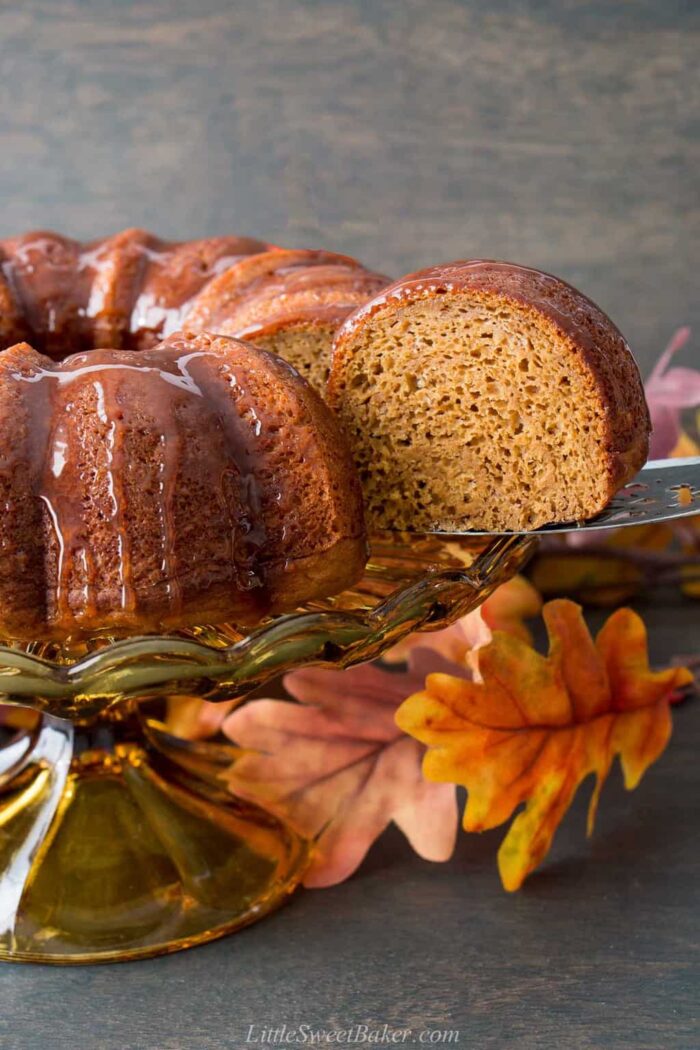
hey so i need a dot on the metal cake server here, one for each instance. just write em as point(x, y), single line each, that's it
point(663, 490)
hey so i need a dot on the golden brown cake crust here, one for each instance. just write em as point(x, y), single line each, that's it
point(198, 481)
point(597, 343)
point(280, 288)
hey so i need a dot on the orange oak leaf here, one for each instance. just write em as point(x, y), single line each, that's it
point(336, 766)
point(534, 727)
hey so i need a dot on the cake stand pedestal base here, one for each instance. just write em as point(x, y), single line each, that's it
point(120, 842)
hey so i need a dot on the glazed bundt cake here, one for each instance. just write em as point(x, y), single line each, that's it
point(129, 291)
point(151, 485)
point(484, 395)
point(199, 481)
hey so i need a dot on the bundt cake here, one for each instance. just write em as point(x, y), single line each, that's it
point(129, 291)
point(484, 395)
point(199, 481)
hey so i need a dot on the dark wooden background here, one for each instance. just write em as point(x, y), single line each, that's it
point(559, 133)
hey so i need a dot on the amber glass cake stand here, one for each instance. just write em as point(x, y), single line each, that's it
point(119, 840)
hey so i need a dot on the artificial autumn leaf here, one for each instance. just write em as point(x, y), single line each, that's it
point(338, 769)
point(668, 392)
point(692, 662)
point(536, 726)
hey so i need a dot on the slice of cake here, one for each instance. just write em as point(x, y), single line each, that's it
point(485, 395)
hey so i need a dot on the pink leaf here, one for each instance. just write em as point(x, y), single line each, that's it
point(339, 770)
point(453, 643)
point(668, 391)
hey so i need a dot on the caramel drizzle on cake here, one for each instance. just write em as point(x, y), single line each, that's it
point(181, 484)
point(131, 290)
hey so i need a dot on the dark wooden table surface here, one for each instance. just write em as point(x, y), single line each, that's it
point(561, 133)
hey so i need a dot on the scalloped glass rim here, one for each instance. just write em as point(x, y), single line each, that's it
point(406, 588)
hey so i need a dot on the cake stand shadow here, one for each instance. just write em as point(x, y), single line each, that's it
point(120, 841)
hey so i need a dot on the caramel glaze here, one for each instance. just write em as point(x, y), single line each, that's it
point(197, 481)
point(594, 339)
point(133, 289)
point(122, 292)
